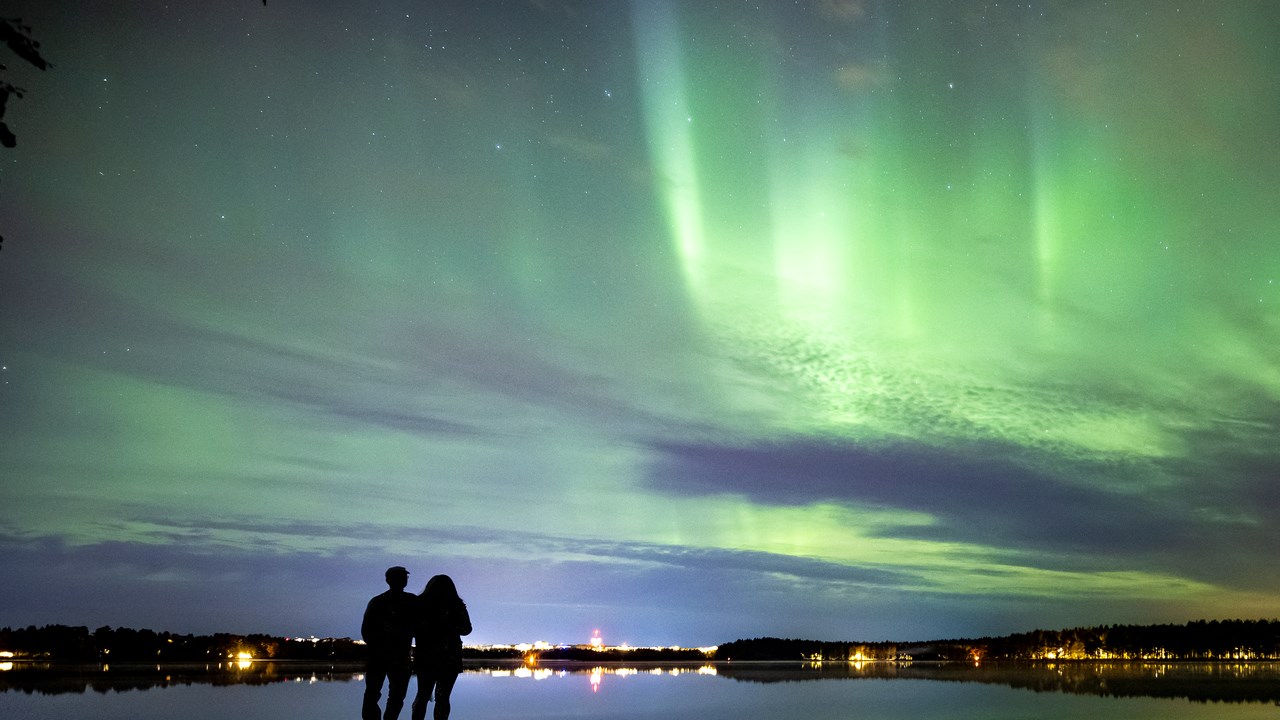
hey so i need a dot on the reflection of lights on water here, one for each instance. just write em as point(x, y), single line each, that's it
point(6, 666)
point(524, 671)
point(595, 674)
point(858, 660)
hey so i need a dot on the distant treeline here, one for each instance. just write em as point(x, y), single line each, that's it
point(771, 648)
point(106, 644)
point(582, 654)
point(1199, 640)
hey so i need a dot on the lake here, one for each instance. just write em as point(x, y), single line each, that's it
point(728, 691)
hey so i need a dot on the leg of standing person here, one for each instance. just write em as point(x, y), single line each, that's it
point(426, 683)
point(374, 674)
point(397, 686)
point(444, 688)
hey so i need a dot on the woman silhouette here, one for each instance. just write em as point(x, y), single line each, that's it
point(442, 620)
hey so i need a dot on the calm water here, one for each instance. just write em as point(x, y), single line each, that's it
point(730, 692)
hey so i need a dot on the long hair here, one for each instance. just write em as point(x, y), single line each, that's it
point(440, 592)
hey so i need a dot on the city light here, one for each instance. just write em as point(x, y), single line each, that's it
point(531, 650)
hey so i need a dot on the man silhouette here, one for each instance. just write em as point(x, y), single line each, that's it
point(387, 631)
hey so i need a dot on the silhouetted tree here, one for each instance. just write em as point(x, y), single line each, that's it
point(1198, 640)
point(18, 38)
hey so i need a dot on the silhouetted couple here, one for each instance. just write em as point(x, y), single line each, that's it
point(437, 618)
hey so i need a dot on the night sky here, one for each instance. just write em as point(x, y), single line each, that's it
point(686, 321)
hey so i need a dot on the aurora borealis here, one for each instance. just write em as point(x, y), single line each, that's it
point(687, 321)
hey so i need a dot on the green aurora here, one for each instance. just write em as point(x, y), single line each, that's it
point(684, 321)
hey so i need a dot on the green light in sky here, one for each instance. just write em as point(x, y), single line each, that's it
point(670, 136)
point(1011, 236)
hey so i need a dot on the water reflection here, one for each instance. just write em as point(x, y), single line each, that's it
point(1252, 682)
point(1199, 682)
point(595, 673)
point(58, 679)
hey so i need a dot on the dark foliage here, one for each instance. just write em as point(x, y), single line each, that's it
point(1198, 640)
point(471, 653)
point(18, 39)
point(771, 648)
point(582, 654)
point(63, 643)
